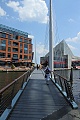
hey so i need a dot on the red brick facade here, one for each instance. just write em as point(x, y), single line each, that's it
point(15, 48)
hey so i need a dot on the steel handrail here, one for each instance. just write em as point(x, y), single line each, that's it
point(59, 75)
point(8, 93)
point(64, 85)
point(6, 87)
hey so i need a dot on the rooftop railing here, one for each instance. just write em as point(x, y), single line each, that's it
point(5, 28)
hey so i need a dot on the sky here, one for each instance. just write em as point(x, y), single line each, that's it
point(32, 16)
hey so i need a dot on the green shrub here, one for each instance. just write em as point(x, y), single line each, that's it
point(12, 67)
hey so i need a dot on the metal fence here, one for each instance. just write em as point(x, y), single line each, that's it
point(8, 93)
point(65, 88)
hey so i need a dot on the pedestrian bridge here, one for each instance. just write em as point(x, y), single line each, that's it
point(38, 101)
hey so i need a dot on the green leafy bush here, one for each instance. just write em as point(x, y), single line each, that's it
point(12, 67)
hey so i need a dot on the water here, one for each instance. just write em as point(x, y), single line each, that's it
point(8, 77)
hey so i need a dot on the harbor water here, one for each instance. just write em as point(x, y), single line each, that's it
point(8, 77)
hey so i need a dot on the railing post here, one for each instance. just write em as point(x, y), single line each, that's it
point(55, 78)
point(10, 106)
point(61, 84)
point(70, 92)
point(71, 76)
point(66, 88)
point(0, 104)
point(26, 77)
point(22, 82)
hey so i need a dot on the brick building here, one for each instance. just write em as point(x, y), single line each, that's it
point(15, 46)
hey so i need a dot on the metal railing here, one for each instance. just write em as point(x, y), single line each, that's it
point(65, 87)
point(8, 93)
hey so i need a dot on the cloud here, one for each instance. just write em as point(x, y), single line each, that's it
point(31, 36)
point(74, 39)
point(71, 20)
point(74, 44)
point(40, 51)
point(40, 48)
point(30, 10)
point(2, 12)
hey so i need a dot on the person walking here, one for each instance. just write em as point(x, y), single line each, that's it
point(37, 66)
point(47, 74)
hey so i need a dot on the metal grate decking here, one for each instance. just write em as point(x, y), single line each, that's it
point(39, 100)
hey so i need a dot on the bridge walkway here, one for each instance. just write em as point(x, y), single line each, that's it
point(39, 100)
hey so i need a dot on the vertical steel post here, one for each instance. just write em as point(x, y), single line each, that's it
point(35, 54)
point(51, 38)
point(71, 77)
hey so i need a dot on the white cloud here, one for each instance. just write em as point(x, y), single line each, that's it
point(31, 36)
point(71, 20)
point(41, 51)
point(74, 44)
point(30, 10)
point(74, 39)
point(2, 12)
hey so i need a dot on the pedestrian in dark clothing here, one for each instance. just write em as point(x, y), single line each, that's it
point(37, 66)
point(47, 74)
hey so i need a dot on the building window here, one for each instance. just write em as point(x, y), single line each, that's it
point(15, 56)
point(15, 49)
point(15, 37)
point(15, 44)
point(9, 42)
point(25, 57)
point(2, 55)
point(9, 37)
point(3, 45)
point(26, 41)
point(9, 55)
point(3, 41)
point(21, 40)
point(26, 51)
point(25, 46)
point(3, 35)
point(29, 41)
point(20, 50)
point(9, 49)
point(20, 56)
point(20, 45)
point(3, 48)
